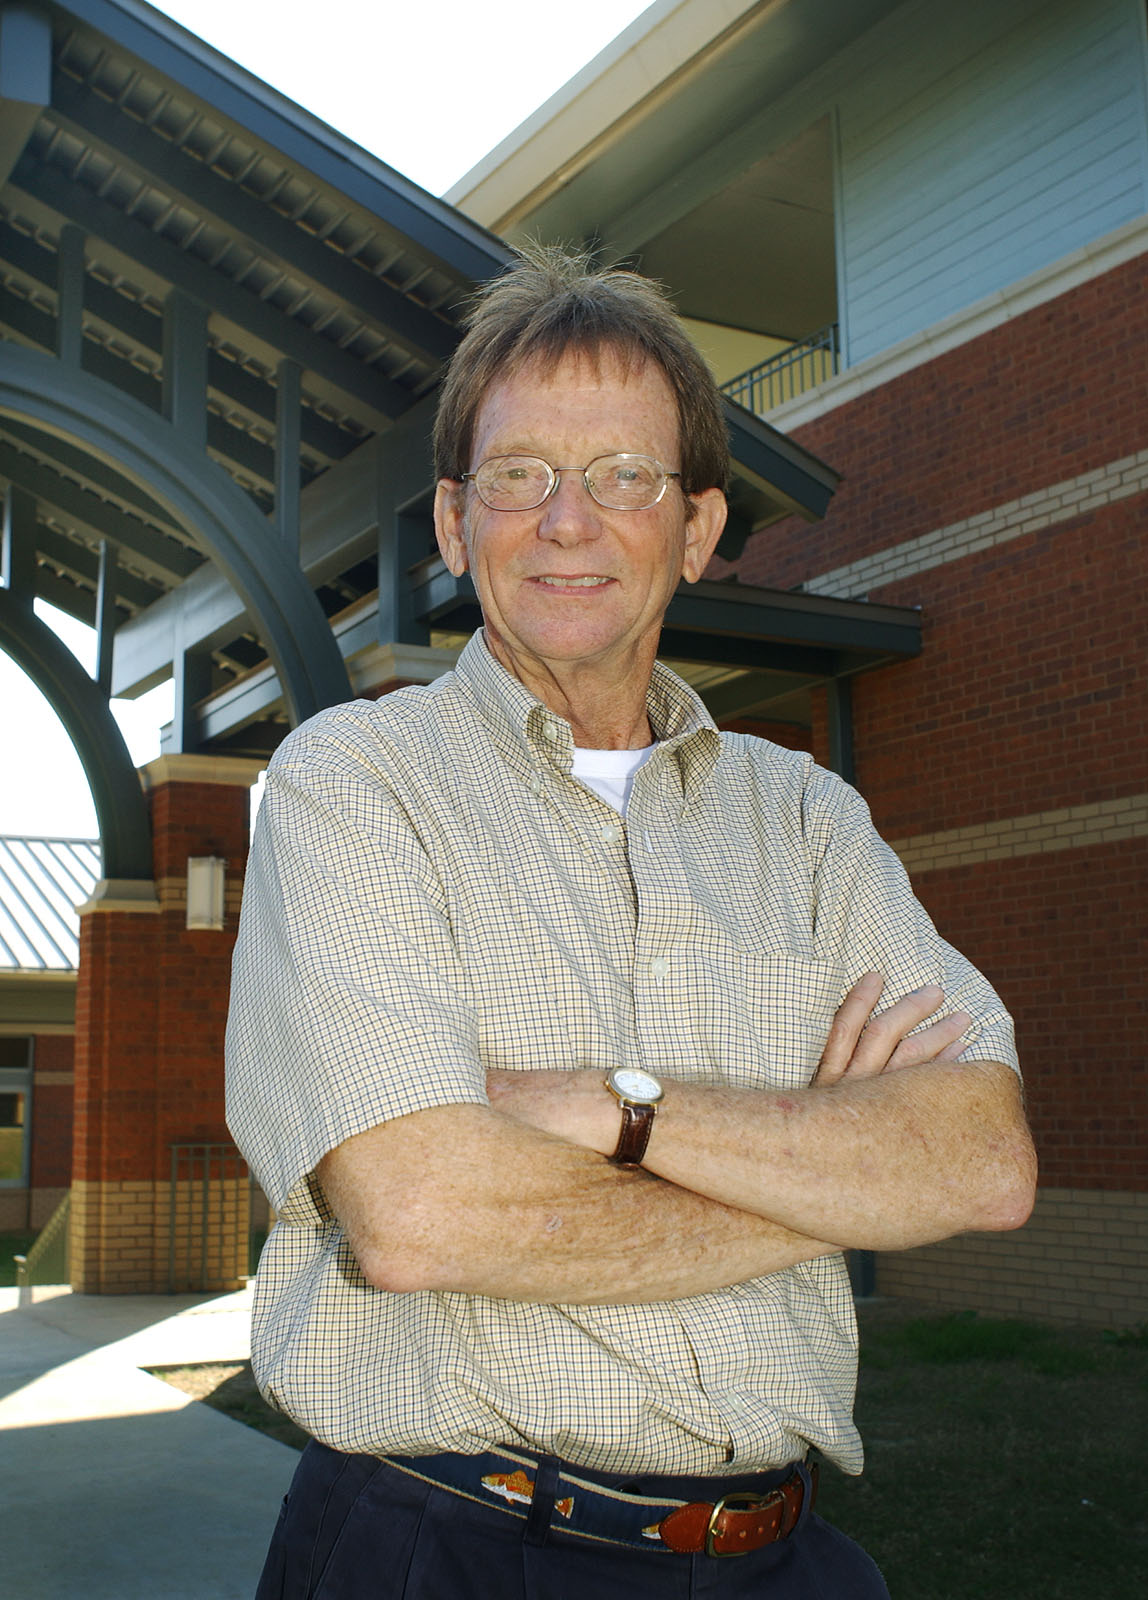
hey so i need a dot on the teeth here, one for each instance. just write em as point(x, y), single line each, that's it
point(572, 583)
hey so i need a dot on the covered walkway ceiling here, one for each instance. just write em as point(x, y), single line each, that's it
point(205, 253)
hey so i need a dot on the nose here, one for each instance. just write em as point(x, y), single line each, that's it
point(570, 514)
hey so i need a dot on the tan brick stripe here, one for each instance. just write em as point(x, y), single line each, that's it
point(1042, 509)
point(1041, 831)
point(1083, 1257)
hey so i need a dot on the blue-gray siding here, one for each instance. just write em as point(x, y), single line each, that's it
point(978, 143)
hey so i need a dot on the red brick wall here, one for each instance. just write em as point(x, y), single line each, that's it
point(787, 734)
point(1031, 690)
point(198, 819)
point(1064, 938)
point(51, 1154)
point(151, 1003)
point(1030, 693)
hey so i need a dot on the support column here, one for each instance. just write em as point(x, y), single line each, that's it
point(151, 1007)
point(288, 435)
point(18, 555)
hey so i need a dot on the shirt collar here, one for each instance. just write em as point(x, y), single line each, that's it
point(521, 723)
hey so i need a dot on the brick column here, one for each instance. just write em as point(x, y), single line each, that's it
point(151, 1006)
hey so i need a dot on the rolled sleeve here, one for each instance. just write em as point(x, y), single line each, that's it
point(866, 910)
point(348, 1004)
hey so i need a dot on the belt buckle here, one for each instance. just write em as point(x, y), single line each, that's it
point(744, 1499)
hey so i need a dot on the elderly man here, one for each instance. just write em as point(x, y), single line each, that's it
point(557, 1043)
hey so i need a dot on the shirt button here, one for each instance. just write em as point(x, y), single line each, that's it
point(536, 783)
point(551, 731)
point(611, 833)
point(659, 966)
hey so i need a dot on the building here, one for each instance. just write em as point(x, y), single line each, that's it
point(939, 216)
point(915, 241)
point(221, 326)
point(41, 883)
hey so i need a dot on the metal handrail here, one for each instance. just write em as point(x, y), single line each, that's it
point(789, 373)
point(48, 1258)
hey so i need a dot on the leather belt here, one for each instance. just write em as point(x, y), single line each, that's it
point(746, 1514)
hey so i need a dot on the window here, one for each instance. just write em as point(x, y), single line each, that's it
point(15, 1105)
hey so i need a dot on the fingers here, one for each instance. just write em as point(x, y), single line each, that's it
point(885, 1033)
point(848, 1024)
point(943, 1041)
point(861, 1044)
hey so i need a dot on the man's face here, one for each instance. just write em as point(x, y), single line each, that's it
point(571, 582)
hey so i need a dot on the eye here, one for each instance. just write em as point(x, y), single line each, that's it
point(633, 473)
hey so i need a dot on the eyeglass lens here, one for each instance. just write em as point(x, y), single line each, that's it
point(622, 482)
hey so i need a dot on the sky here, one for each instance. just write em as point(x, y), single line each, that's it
point(429, 88)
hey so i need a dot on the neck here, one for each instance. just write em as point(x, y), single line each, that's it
point(604, 702)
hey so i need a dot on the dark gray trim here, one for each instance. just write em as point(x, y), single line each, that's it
point(18, 563)
point(184, 384)
point(773, 614)
point(125, 829)
point(25, 78)
point(87, 468)
point(459, 245)
point(105, 615)
point(787, 473)
point(287, 485)
point(236, 446)
point(839, 692)
point(66, 597)
point(84, 564)
point(87, 512)
point(203, 499)
point(252, 318)
point(70, 294)
point(143, 153)
point(137, 326)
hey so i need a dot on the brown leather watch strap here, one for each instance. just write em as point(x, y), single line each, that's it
point(635, 1135)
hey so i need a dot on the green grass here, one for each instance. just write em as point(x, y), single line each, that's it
point(11, 1245)
point(1003, 1459)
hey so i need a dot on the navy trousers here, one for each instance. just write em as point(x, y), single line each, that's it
point(355, 1528)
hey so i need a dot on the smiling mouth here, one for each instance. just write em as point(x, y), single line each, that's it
point(591, 582)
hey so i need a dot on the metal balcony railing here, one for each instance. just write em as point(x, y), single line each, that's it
point(789, 373)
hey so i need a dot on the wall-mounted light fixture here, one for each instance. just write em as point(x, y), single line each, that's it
point(205, 882)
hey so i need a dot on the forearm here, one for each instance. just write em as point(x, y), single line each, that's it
point(463, 1198)
point(880, 1163)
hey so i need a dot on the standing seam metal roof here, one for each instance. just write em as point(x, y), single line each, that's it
point(42, 881)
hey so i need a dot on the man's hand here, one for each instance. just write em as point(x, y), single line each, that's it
point(868, 1156)
point(860, 1045)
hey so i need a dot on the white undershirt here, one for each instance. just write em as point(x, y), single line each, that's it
point(610, 773)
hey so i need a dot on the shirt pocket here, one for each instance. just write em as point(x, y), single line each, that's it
point(789, 1005)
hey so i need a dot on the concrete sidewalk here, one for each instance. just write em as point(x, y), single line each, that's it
point(113, 1484)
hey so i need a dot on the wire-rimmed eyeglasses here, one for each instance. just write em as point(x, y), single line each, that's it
point(622, 482)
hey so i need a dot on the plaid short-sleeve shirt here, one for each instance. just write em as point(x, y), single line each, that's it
point(431, 894)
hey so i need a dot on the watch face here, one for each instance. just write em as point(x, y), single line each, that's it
point(633, 1084)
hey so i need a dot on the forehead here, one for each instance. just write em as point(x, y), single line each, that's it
point(597, 402)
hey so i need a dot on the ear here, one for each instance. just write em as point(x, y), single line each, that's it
point(449, 527)
point(703, 532)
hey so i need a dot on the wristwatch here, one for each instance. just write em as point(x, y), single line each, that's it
point(638, 1095)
